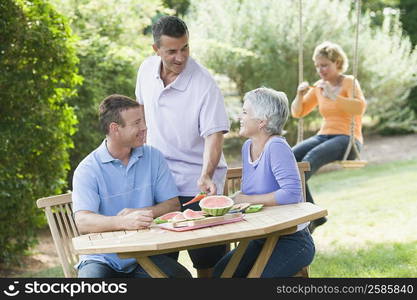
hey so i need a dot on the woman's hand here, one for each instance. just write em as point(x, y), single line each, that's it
point(328, 90)
point(303, 88)
point(239, 197)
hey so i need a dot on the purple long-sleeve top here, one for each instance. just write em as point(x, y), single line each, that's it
point(274, 171)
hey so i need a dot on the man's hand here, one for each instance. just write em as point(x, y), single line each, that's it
point(126, 211)
point(207, 185)
point(133, 219)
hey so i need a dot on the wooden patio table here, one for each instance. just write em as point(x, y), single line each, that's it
point(269, 223)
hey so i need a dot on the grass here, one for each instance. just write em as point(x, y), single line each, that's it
point(374, 260)
point(54, 272)
point(371, 231)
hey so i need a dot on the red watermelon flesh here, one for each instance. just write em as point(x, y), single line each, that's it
point(190, 214)
point(216, 201)
point(169, 216)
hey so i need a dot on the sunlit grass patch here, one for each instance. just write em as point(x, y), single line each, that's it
point(372, 212)
point(375, 260)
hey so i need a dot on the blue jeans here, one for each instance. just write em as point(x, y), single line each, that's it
point(320, 150)
point(202, 258)
point(292, 252)
point(96, 269)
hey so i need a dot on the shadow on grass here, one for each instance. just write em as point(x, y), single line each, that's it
point(397, 260)
point(54, 272)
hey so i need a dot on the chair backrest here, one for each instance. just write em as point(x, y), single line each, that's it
point(234, 179)
point(58, 211)
point(303, 166)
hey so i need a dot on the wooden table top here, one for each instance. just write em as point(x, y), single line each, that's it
point(268, 220)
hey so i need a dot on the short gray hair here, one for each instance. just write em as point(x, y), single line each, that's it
point(269, 105)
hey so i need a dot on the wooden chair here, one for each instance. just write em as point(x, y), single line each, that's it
point(58, 211)
point(232, 185)
point(234, 179)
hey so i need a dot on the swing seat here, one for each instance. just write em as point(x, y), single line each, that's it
point(351, 164)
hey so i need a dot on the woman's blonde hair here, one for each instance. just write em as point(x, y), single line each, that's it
point(334, 53)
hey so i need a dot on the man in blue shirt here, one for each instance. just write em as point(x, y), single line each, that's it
point(123, 185)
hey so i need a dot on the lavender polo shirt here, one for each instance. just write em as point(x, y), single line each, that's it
point(180, 116)
point(274, 171)
point(103, 185)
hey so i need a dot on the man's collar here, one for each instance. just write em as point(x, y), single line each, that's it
point(103, 153)
point(184, 77)
point(181, 82)
point(105, 156)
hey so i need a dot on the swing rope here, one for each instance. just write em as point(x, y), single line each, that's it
point(355, 75)
point(300, 125)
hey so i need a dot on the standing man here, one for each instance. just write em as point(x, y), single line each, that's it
point(186, 119)
point(122, 185)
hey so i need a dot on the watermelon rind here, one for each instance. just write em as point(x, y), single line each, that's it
point(216, 211)
point(254, 208)
point(160, 221)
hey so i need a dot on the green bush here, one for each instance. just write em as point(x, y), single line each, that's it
point(256, 43)
point(38, 72)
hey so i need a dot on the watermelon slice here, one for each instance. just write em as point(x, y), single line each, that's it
point(216, 205)
point(167, 217)
point(190, 214)
point(178, 217)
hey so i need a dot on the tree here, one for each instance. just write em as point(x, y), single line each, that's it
point(39, 73)
point(111, 45)
point(256, 43)
point(180, 6)
point(409, 19)
point(377, 9)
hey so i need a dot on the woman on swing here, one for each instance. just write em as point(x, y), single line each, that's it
point(333, 94)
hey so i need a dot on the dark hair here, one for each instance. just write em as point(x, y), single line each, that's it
point(171, 26)
point(110, 108)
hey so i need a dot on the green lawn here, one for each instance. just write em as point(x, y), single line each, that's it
point(372, 227)
point(371, 231)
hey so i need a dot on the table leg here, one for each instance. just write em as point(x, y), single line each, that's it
point(235, 259)
point(263, 256)
point(147, 264)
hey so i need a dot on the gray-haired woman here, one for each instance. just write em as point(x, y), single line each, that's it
point(270, 177)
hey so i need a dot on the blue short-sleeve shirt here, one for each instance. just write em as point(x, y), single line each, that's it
point(103, 185)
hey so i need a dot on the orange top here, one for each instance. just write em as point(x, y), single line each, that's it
point(337, 114)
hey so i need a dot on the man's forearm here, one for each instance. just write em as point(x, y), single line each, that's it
point(213, 147)
point(172, 204)
point(88, 222)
